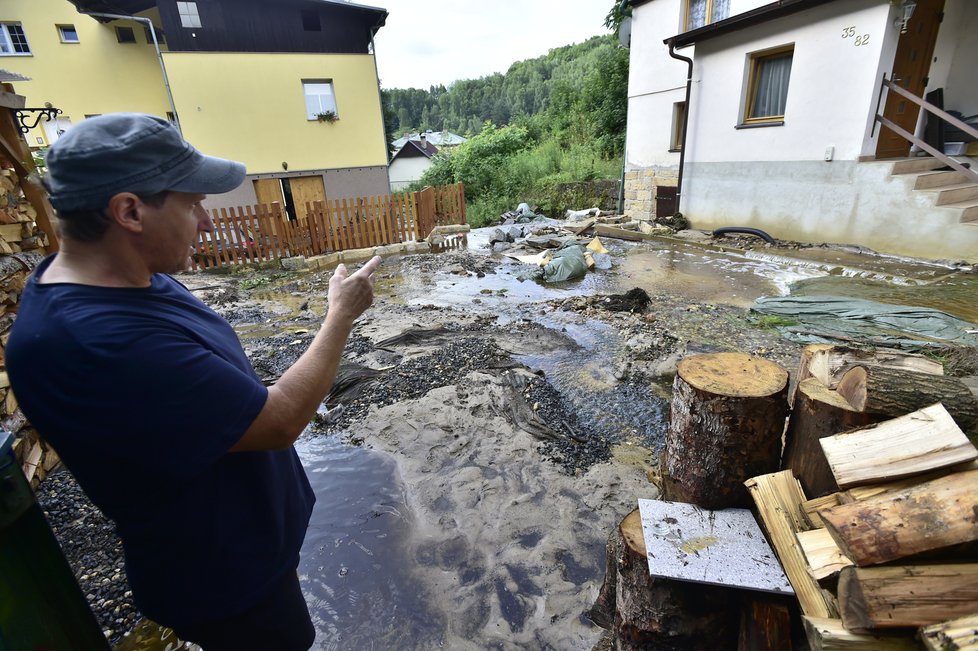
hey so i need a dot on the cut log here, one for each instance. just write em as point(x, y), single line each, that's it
point(857, 493)
point(654, 613)
point(818, 412)
point(895, 392)
point(927, 517)
point(824, 557)
point(830, 635)
point(959, 634)
point(728, 414)
point(913, 444)
point(778, 497)
point(829, 363)
point(873, 598)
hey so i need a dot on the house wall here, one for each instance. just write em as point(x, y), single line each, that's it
point(406, 170)
point(96, 75)
point(342, 183)
point(251, 107)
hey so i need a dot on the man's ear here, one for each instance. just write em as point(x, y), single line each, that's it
point(125, 209)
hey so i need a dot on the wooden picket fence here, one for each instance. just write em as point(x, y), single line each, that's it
point(263, 232)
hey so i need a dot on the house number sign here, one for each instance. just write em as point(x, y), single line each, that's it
point(859, 39)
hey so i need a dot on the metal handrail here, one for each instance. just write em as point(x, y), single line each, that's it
point(947, 117)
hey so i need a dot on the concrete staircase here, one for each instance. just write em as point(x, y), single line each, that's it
point(951, 189)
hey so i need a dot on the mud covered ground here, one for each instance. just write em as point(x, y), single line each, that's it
point(517, 424)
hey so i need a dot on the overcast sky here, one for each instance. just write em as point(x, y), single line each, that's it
point(429, 42)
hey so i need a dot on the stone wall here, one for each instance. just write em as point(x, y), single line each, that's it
point(640, 191)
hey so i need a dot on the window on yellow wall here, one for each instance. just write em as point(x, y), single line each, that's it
point(13, 41)
point(320, 98)
point(68, 33)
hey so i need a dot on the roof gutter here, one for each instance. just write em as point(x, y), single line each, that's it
point(159, 54)
point(741, 21)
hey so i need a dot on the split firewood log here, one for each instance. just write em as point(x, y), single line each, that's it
point(728, 417)
point(919, 442)
point(818, 412)
point(959, 634)
point(935, 515)
point(895, 392)
point(872, 598)
point(830, 635)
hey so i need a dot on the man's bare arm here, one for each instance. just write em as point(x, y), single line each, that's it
point(294, 399)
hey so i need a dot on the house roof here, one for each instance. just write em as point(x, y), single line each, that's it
point(6, 76)
point(129, 7)
point(741, 21)
point(441, 138)
point(414, 149)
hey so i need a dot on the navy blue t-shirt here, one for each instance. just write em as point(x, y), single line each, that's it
point(142, 392)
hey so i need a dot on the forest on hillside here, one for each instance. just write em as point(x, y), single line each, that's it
point(547, 122)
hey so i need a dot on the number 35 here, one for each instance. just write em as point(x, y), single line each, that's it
point(848, 32)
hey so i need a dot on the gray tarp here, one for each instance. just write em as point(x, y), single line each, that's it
point(568, 263)
point(824, 318)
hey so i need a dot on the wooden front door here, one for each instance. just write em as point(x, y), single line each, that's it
point(911, 65)
point(306, 189)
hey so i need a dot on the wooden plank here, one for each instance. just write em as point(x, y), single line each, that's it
point(872, 598)
point(812, 506)
point(830, 635)
point(778, 497)
point(919, 442)
point(824, 557)
point(11, 232)
point(12, 100)
point(305, 191)
point(931, 516)
point(604, 230)
point(959, 634)
point(254, 234)
point(32, 460)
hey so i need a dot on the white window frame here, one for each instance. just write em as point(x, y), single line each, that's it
point(7, 48)
point(318, 101)
point(64, 38)
point(189, 17)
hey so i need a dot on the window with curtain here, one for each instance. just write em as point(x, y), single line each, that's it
point(767, 86)
point(319, 98)
point(704, 12)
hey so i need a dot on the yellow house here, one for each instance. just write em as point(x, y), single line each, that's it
point(289, 87)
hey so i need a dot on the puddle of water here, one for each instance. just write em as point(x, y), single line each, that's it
point(353, 570)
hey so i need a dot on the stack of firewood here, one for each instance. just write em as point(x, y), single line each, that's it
point(881, 549)
point(21, 248)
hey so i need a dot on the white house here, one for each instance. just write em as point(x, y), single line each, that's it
point(410, 162)
point(781, 127)
point(440, 139)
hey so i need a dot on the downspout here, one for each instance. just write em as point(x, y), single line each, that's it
point(159, 55)
point(682, 145)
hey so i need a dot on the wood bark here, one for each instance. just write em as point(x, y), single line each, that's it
point(906, 596)
point(655, 613)
point(765, 624)
point(830, 635)
point(728, 416)
point(913, 444)
point(829, 363)
point(934, 515)
point(817, 412)
point(895, 392)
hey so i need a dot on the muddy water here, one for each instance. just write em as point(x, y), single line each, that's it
point(478, 553)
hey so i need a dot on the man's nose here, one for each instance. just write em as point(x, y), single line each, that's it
point(204, 221)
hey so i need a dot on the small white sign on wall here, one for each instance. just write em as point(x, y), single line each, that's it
point(725, 547)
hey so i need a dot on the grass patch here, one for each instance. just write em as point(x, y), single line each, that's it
point(770, 321)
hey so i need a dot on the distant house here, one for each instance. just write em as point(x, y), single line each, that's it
point(440, 139)
point(784, 114)
point(289, 87)
point(410, 162)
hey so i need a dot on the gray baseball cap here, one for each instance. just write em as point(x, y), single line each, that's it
point(130, 152)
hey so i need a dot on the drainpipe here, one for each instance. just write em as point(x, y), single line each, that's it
point(159, 55)
point(682, 145)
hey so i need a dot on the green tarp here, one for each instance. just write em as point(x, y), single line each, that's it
point(828, 318)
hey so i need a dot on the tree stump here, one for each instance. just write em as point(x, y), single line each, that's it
point(646, 612)
point(728, 418)
point(818, 412)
